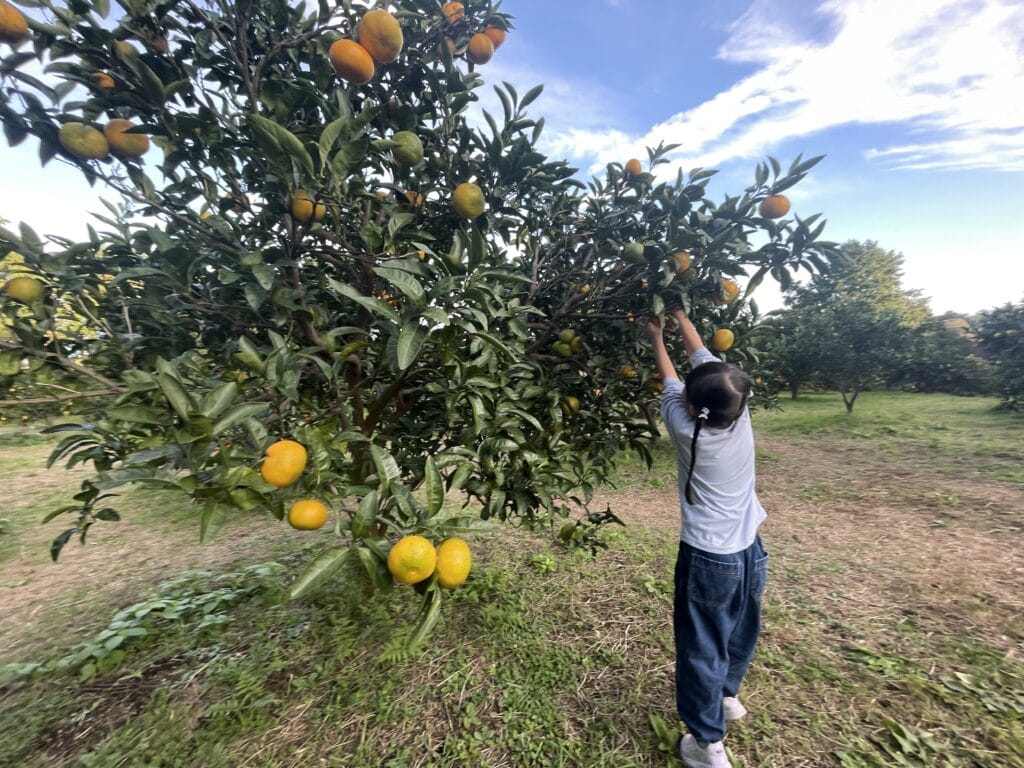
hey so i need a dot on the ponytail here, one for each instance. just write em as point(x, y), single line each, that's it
point(702, 417)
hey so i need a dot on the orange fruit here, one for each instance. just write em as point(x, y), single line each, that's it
point(635, 253)
point(125, 144)
point(412, 559)
point(774, 207)
point(682, 260)
point(351, 61)
point(381, 35)
point(285, 461)
point(497, 35)
point(453, 562)
point(468, 200)
point(307, 515)
point(453, 12)
point(722, 340)
point(409, 150)
point(655, 384)
point(24, 289)
point(303, 209)
point(729, 292)
point(633, 167)
point(103, 81)
point(627, 372)
point(570, 405)
point(480, 49)
point(83, 141)
point(415, 199)
point(13, 27)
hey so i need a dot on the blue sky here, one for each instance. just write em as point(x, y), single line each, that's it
point(918, 105)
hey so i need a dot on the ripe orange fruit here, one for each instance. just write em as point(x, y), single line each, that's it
point(453, 12)
point(722, 340)
point(83, 141)
point(497, 35)
point(412, 559)
point(480, 49)
point(125, 144)
point(633, 167)
point(468, 200)
point(103, 81)
point(409, 150)
point(285, 461)
point(774, 207)
point(627, 372)
point(682, 260)
point(351, 61)
point(655, 383)
point(307, 515)
point(24, 289)
point(729, 292)
point(453, 562)
point(13, 27)
point(303, 209)
point(381, 35)
point(416, 200)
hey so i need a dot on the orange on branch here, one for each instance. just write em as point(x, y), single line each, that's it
point(468, 200)
point(409, 151)
point(122, 143)
point(633, 167)
point(453, 562)
point(13, 26)
point(412, 559)
point(729, 290)
point(381, 35)
point(453, 12)
point(496, 34)
point(103, 81)
point(304, 210)
point(627, 372)
point(284, 464)
point(722, 340)
point(681, 260)
point(480, 49)
point(83, 141)
point(351, 61)
point(25, 289)
point(307, 515)
point(774, 207)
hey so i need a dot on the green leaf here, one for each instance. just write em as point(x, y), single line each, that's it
point(277, 137)
point(319, 571)
point(404, 282)
point(365, 515)
point(496, 343)
point(237, 415)
point(374, 305)
point(531, 95)
point(434, 487)
point(213, 518)
point(329, 136)
point(427, 618)
point(60, 541)
point(376, 569)
point(217, 400)
point(176, 395)
point(410, 341)
point(387, 467)
point(137, 414)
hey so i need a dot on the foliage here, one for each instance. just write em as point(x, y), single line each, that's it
point(1001, 334)
point(403, 345)
point(944, 357)
point(853, 325)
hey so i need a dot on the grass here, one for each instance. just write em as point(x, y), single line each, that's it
point(548, 657)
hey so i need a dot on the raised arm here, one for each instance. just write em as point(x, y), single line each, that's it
point(661, 359)
point(691, 339)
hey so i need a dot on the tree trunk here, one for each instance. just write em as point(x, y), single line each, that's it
point(850, 399)
point(794, 389)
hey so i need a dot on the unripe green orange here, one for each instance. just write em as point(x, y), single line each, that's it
point(25, 289)
point(83, 141)
point(468, 200)
point(410, 149)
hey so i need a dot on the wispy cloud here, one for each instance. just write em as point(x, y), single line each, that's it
point(948, 72)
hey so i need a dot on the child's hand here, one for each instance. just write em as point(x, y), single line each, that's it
point(653, 328)
point(679, 315)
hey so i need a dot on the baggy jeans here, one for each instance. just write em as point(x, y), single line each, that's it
point(717, 620)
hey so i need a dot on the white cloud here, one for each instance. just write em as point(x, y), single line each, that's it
point(948, 70)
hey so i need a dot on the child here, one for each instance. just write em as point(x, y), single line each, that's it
point(721, 568)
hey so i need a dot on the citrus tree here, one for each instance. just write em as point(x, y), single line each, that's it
point(1001, 334)
point(329, 279)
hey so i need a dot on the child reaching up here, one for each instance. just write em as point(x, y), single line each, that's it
point(721, 568)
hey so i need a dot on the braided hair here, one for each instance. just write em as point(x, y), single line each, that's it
point(718, 392)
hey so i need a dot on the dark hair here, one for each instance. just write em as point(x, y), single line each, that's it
point(718, 392)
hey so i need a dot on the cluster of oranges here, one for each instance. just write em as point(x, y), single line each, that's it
point(411, 560)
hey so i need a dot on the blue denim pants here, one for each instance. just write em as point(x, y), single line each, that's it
point(717, 620)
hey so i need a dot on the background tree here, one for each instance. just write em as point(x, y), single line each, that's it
point(327, 251)
point(944, 357)
point(1001, 333)
point(855, 324)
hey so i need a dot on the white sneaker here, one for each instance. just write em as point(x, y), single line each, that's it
point(733, 709)
point(695, 756)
